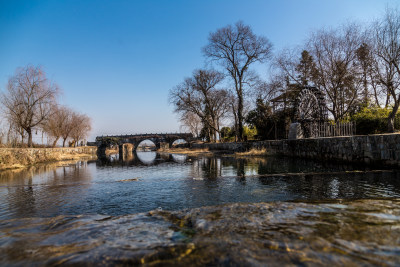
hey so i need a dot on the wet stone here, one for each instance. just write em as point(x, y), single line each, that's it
point(340, 232)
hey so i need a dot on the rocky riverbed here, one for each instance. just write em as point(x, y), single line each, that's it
point(337, 232)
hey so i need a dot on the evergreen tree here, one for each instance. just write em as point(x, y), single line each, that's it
point(306, 68)
point(260, 118)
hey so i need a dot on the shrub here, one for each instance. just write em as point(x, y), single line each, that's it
point(249, 132)
point(227, 133)
point(373, 120)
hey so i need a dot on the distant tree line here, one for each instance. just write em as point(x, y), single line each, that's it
point(356, 66)
point(29, 104)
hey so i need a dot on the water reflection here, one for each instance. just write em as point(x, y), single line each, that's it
point(147, 157)
point(147, 180)
point(140, 158)
point(207, 167)
point(44, 190)
point(179, 158)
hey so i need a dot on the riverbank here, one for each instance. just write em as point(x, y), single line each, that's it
point(13, 158)
point(187, 151)
point(379, 149)
point(207, 152)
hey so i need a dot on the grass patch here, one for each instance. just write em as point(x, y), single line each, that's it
point(13, 158)
point(186, 151)
point(253, 152)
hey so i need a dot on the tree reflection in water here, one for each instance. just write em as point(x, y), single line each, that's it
point(149, 180)
point(38, 191)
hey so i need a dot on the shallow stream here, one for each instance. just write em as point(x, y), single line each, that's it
point(178, 210)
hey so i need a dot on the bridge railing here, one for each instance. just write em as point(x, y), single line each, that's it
point(147, 134)
point(186, 135)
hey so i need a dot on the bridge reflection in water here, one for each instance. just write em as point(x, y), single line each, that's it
point(137, 158)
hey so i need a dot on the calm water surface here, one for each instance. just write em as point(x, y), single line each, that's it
point(171, 182)
point(336, 213)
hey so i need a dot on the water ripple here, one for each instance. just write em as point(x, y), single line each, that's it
point(356, 233)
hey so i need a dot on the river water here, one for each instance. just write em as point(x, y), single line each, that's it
point(164, 209)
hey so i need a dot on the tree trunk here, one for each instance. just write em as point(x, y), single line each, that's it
point(9, 136)
point(55, 142)
point(387, 100)
point(218, 132)
point(64, 139)
point(240, 117)
point(29, 131)
point(365, 83)
point(236, 121)
point(391, 118)
point(391, 123)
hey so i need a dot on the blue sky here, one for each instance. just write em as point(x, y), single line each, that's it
point(117, 60)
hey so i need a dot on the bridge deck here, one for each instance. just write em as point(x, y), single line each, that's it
point(148, 134)
point(158, 137)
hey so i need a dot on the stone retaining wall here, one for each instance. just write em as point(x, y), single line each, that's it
point(376, 149)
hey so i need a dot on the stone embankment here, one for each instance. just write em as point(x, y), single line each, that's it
point(22, 157)
point(381, 149)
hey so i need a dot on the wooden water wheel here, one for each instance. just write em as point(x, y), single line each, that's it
point(310, 110)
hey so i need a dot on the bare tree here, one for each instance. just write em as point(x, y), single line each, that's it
point(14, 131)
point(372, 92)
point(192, 122)
point(29, 98)
point(236, 48)
point(81, 126)
point(386, 34)
point(198, 95)
point(290, 69)
point(334, 52)
point(55, 126)
point(67, 126)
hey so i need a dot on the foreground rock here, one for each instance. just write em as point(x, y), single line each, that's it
point(356, 233)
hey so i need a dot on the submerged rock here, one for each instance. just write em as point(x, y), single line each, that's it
point(339, 232)
point(130, 180)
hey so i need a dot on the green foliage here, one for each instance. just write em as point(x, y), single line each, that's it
point(260, 117)
point(226, 132)
point(269, 125)
point(249, 132)
point(306, 69)
point(373, 120)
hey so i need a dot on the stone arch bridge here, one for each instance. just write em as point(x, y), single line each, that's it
point(129, 143)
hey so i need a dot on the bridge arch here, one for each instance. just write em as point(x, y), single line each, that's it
point(105, 144)
point(160, 140)
point(150, 142)
point(178, 142)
